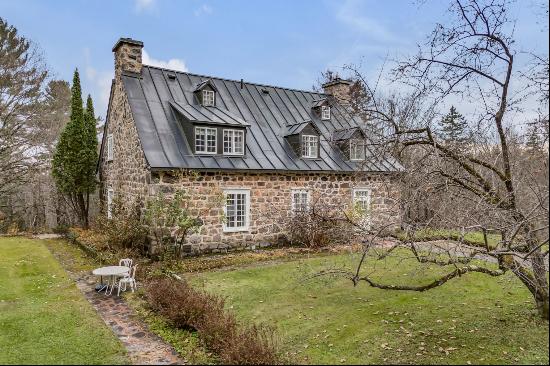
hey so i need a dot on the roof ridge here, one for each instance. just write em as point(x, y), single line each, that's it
point(236, 81)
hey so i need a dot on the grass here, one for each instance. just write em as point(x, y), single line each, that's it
point(471, 237)
point(326, 320)
point(43, 317)
point(186, 343)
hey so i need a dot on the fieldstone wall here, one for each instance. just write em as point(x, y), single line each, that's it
point(127, 173)
point(270, 201)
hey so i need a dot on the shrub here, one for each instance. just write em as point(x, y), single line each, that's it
point(312, 230)
point(219, 330)
point(124, 229)
point(171, 222)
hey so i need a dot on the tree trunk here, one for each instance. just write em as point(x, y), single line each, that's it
point(82, 211)
point(542, 305)
point(534, 279)
point(541, 283)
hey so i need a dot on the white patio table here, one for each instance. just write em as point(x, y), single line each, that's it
point(112, 272)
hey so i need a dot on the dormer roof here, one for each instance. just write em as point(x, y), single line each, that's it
point(200, 86)
point(346, 133)
point(297, 128)
point(320, 102)
point(196, 113)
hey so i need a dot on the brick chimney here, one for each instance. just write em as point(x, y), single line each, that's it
point(340, 89)
point(127, 56)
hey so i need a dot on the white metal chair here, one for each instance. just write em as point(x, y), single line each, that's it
point(130, 279)
point(127, 262)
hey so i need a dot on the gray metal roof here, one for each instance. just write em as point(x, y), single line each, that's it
point(202, 84)
point(298, 127)
point(155, 99)
point(346, 133)
point(209, 115)
point(318, 103)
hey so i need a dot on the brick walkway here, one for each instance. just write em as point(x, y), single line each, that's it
point(144, 347)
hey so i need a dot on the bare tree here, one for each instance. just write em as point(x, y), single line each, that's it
point(22, 76)
point(495, 185)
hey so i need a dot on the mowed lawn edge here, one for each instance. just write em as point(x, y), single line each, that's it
point(44, 319)
point(327, 320)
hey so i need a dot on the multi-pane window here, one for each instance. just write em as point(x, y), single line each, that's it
point(356, 150)
point(236, 210)
point(325, 112)
point(109, 147)
point(310, 146)
point(300, 201)
point(233, 142)
point(208, 98)
point(361, 202)
point(205, 140)
point(110, 194)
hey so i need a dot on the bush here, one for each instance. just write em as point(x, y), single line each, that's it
point(124, 229)
point(316, 231)
point(170, 221)
point(188, 308)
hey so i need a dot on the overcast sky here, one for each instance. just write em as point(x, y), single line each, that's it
point(284, 42)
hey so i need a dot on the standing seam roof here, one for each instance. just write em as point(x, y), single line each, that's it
point(267, 112)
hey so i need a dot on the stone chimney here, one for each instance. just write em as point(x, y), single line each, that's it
point(127, 56)
point(340, 89)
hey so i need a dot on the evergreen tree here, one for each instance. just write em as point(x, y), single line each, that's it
point(453, 128)
point(75, 157)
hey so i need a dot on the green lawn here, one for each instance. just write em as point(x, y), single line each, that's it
point(43, 317)
point(471, 237)
point(474, 318)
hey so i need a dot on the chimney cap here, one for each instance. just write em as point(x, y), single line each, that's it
point(127, 40)
point(337, 81)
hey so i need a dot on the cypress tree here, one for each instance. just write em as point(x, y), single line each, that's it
point(453, 128)
point(75, 157)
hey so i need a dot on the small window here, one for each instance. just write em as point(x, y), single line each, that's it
point(233, 142)
point(356, 150)
point(208, 98)
point(205, 140)
point(237, 210)
point(325, 112)
point(110, 147)
point(300, 201)
point(361, 202)
point(110, 195)
point(310, 146)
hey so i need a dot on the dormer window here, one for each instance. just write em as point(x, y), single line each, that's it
point(205, 140)
point(325, 112)
point(310, 146)
point(356, 150)
point(233, 142)
point(208, 98)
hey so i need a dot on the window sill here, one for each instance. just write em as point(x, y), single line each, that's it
point(235, 229)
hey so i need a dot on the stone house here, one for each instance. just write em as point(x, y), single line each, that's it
point(266, 150)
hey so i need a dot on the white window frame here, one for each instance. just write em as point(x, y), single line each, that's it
point(310, 151)
point(208, 98)
point(294, 204)
point(110, 147)
point(232, 133)
point(352, 156)
point(232, 229)
point(110, 195)
point(325, 112)
point(366, 220)
point(206, 130)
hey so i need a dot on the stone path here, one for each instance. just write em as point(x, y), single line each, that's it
point(47, 236)
point(144, 347)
